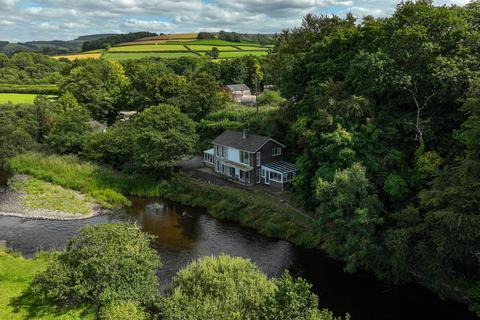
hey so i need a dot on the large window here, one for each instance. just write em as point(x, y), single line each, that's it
point(275, 176)
point(244, 157)
point(276, 151)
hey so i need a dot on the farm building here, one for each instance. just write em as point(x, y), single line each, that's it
point(249, 159)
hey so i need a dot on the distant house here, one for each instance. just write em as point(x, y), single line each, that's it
point(97, 126)
point(241, 93)
point(249, 159)
point(125, 115)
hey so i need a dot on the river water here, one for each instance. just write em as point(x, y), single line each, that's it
point(181, 238)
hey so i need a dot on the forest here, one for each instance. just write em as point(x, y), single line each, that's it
point(380, 115)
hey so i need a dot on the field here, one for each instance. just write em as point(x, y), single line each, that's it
point(17, 98)
point(209, 48)
point(216, 42)
point(250, 48)
point(149, 48)
point(140, 55)
point(80, 56)
point(236, 54)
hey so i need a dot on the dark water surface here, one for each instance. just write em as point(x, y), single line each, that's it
point(181, 238)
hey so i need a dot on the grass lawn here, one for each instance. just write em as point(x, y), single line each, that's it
point(17, 98)
point(140, 55)
point(79, 56)
point(241, 54)
point(149, 48)
point(38, 194)
point(15, 275)
point(209, 47)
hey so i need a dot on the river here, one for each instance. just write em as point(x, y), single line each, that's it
point(181, 238)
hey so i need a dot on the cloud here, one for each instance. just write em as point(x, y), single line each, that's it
point(21, 20)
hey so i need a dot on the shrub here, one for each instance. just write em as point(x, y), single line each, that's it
point(270, 97)
point(103, 264)
point(123, 310)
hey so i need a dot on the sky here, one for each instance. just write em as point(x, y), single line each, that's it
point(26, 20)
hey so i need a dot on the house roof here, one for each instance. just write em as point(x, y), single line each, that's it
point(281, 166)
point(234, 139)
point(237, 87)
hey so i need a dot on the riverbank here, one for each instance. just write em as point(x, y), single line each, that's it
point(27, 197)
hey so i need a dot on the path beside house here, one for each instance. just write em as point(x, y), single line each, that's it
point(194, 168)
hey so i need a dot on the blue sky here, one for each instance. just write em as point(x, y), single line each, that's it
point(67, 19)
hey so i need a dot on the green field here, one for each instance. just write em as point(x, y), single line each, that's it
point(252, 48)
point(215, 42)
point(209, 48)
point(17, 98)
point(149, 48)
point(140, 55)
point(236, 54)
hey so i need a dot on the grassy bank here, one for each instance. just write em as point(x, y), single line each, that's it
point(15, 276)
point(38, 194)
point(255, 210)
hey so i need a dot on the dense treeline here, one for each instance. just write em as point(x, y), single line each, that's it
point(104, 43)
point(30, 68)
point(259, 38)
point(385, 124)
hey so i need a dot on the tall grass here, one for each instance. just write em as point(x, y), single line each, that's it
point(107, 186)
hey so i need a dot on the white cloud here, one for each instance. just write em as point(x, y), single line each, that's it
point(67, 19)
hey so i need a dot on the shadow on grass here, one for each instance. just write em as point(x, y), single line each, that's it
point(35, 306)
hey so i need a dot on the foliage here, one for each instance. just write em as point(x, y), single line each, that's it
point(102, 43)
point(270, 97)
point(122, 310)
point(217, 288)
point(105, 263)
point(18, 130)
point(98, 86)
point(50, 89)
point(69, 125)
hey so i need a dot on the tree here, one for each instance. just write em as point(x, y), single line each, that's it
point(98, 85)
point(69, 125)
point(215, 53)
point(217, 288)
point(120, 310)
point(348, 216)
point(104, 264)
point(162, 136)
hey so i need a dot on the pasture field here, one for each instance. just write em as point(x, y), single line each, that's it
point(216, 42)
point(140, 55)
point(235, 54)
point(149, 48)
point(18, 98)
point(209, 48)
point(79, 56)
point(251, 48)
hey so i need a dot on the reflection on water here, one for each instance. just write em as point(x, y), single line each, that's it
point(184, 233)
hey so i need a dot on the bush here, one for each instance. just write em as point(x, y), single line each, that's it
point(127, 310)
point(103, 264)
point(217, 288)
point(270, 97)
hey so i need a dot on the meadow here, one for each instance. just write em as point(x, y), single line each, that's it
point(17, 98)
point(148, 48)
point(235, 54)
point(209, 48)
point(72, 57)
point(139, 55)
point(217, 42)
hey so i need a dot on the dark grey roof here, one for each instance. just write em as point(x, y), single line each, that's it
point(238, 87)
point(235, 139)
point(281, 166)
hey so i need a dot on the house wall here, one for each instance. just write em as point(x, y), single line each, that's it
point(266, 152)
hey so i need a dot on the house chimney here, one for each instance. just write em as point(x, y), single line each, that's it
point(244, 134)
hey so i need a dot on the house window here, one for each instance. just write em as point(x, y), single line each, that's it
point(275, 176)
point(263, 173)
point(276, 151)
point(244, 157)
point(259, 158)
point(217, 150)
point(224, 152)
